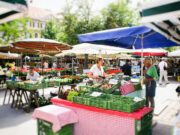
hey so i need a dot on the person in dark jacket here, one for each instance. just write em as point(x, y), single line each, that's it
point(127, 68)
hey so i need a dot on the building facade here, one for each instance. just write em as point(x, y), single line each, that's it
point(38, 19)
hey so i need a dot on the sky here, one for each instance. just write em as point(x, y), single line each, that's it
point(57, 5)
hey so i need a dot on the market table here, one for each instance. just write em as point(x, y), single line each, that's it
point(96, 121)
point(18, 92)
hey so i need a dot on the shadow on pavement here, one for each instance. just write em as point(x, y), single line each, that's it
point(12, 117)
point(162, 129)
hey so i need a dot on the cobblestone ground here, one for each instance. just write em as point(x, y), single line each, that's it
point(17, 122)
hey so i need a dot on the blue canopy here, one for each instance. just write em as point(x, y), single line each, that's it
point(129, 37)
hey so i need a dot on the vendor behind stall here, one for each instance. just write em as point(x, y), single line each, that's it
point(97, 72)
point(32, 75)
point(127, 68)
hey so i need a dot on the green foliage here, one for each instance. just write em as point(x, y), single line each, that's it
point(82, 21)
point(119, 14)
point(51, 30)
point(170, 49)
point(14, 30)
point(78, 18)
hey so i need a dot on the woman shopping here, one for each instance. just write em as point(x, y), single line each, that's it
point(97, 72)
point(32, 75)
point(150, 82)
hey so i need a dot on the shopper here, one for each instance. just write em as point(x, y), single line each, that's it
point(97, 72)
point(127, 68)
point(46, 65)
point(150, 82)
point(54, 65)
point(163, 71)
point(32, 75)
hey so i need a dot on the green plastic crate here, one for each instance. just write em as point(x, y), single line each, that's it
point(30, 86)
point(104, 104)
point(94, 102)
point(77, 99)
point(53, 83)
point(86, 101)
point(125, 104)
point(144, 126)
point(10, 83)
point(45, 128)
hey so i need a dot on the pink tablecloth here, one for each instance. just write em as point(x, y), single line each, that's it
point(58, 116)
point(96, 122)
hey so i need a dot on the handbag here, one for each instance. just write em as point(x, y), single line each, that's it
point(165, 68)
point(178, 89)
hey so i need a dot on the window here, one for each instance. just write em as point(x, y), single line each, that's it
point(28, 24)
point(36, 35)
point(35, 24)
point(27, 35)
point(43, 25)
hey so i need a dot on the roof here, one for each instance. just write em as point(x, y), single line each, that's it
point(39, 14)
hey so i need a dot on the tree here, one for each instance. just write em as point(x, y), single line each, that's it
point(120, 14)
point(170, 49)
point(14, 30)
point(80, 21)
point(51, 30)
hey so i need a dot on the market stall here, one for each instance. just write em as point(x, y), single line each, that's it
point(93, 120)
point(138, 37)
point(19, 90)
point(101, 105)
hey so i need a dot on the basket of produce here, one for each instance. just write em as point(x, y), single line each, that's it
point(65, 81)
point(9, 83)
point(109, 88)
point(126, 88)
point(21, 85)
point(95, 87)
point(126, 104)
point(53, 83)
point(33, 85)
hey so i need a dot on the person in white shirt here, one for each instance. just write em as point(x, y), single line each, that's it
point(97, 71)
point(46, 64)
point(163, 71)
point(54, 65)
point(32, 75)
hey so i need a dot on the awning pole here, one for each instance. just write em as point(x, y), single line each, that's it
point(142, 59)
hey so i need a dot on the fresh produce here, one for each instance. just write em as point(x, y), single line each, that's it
point(71, 94)
point(65, 94)
point(106, 86)
point(9, 74)
point(108, 101)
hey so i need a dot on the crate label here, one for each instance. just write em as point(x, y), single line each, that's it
point(96, 94)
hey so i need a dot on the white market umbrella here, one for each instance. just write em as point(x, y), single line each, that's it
point(9, 55)
point(87, 48)
point(150, 52)
point(174, 53)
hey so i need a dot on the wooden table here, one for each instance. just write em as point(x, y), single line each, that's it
point(17, 95)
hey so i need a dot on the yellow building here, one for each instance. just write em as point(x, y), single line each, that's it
point(38, 18)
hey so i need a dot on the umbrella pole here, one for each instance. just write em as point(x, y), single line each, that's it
point(42, 71)
point(142, 59)
point(72, 66)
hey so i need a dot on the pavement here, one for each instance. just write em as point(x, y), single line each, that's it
point(17, 122)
